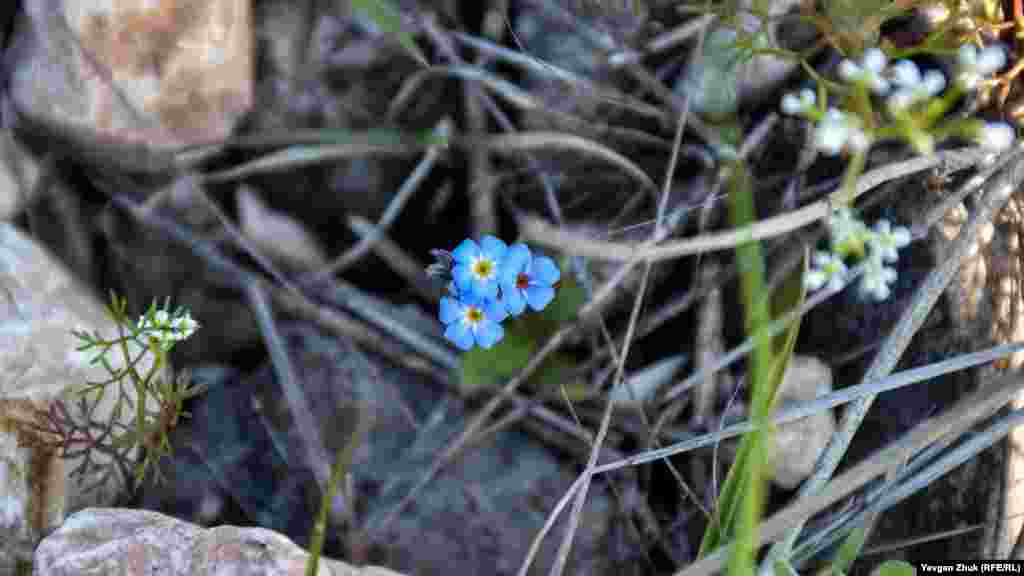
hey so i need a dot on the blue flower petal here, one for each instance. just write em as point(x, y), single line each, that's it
point(451, 310)
point(515, 303)
point(466, 251)
point(463, 277)
point(483, 290)
point(493, 248)
point(545, 271)
point(516, 259)
point(507, 283)
point(496, 309)
point(489, 333)
point(460, 335)
point(539, 296)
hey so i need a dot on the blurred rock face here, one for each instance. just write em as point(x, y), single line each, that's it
point(163, 73)
point(137, 542)
point(40, 303)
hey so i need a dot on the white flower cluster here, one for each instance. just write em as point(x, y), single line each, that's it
point(870, 71)
point(849, 236)
point(904, 87)
point(912, 87)
point(167, 329)
point(836, 130)
point(839, 130)
point(974, 65)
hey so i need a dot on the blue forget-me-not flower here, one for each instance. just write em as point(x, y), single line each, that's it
point(477, 266)
point(527, 280)
point(470, 320)
point(486, 282)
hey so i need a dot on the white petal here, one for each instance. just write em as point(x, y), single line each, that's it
point(831, 133)
point(849, 71)
point(879, 85)
point(996, 136)
point(991, 59)
point(905, 73)
point(901, 237)
point(934, 82)
point(874, 60)
point(836, 282)
point(822, 258)
point(858, 141)
point(807, 97)
point(967, 56)
point(814, 279)
point(791, 104)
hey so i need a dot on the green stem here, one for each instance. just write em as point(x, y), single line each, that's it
point(853, 171)
point(752, 287)
point(342, 463)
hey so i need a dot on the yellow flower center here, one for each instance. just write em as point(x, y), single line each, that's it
point(483, 268)
point(474, 314)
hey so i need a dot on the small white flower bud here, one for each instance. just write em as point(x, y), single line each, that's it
point(996, 136)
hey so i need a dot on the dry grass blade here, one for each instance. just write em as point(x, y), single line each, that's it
point(982, 403)
point(577, 510)
point(300, 156)
point(394, 208)
point(586, 88)
point(528, 141)
point(820, 404)
point(505, 89)
point(663, 41)
point(997, 194)
point(539, 232)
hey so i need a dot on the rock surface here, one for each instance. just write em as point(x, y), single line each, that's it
point(162, 73)
point(100, 541)
point(40, 303)
point(798, 444)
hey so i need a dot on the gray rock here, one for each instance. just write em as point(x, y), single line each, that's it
point(798, 444)
point(102, 541)
point(40, 303)
point(133, 72)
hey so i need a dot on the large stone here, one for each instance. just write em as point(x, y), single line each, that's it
point(799, 444)
point(40, 303)
point(137, 542)
point(162, 73)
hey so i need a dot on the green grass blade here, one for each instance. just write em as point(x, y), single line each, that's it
point(849, 551)
point(739, 508)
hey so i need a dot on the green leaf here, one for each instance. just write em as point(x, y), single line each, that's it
point(740, 502)
point(712, 81)
point(783, 568)
point(487, 368)
point(788, 296)
point(389, 19)
point(849, 551)
point(895, 568)
point(566, 305)
point(484, 368)
point(568, 301)
point(556, 374)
